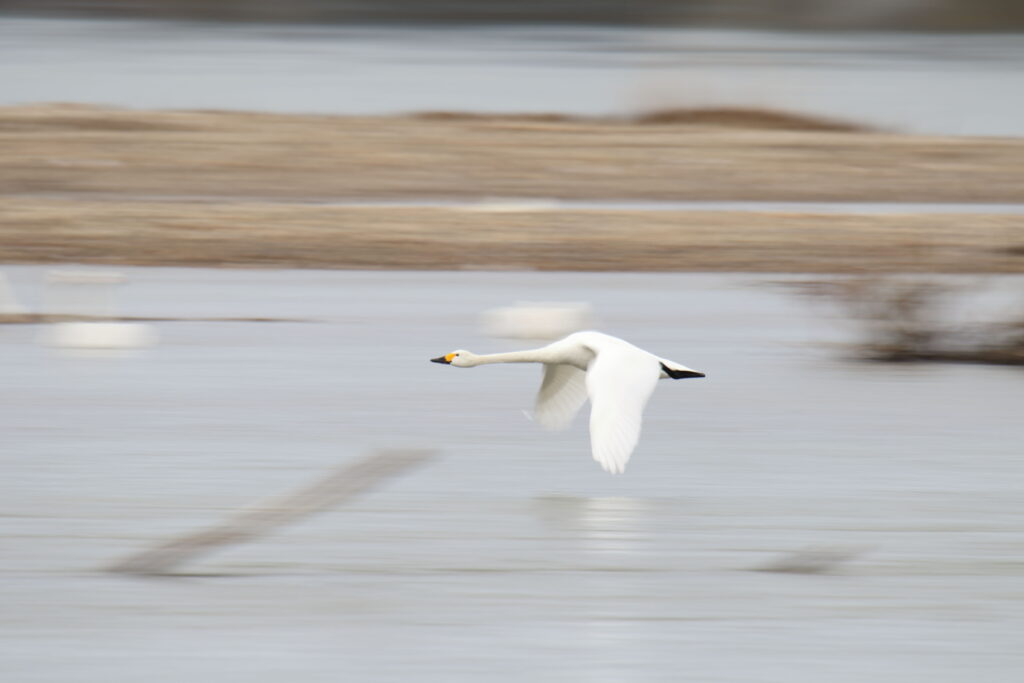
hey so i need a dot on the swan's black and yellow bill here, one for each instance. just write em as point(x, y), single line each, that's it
point(446, 359)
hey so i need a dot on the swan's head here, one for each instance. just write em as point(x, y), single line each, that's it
point(460, 359)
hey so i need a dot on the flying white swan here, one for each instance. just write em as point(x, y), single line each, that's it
point(617, 376)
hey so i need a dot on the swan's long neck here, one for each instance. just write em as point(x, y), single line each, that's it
point(528, 356)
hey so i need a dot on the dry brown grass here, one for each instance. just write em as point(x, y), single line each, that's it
point(719, 117)
point(90, 151)
point(750, 119)
point(219, 188)
point(260, 234)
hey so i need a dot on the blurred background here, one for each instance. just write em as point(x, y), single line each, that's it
point(232, 235)
point(942, 66)
point(998, 15)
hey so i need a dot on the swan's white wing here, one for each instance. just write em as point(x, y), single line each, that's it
point(619, 382)
point(562, 393)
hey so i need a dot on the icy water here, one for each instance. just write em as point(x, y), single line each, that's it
point(943, 83)
point(512, 556)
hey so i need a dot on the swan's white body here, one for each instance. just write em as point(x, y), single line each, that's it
point(617, 377)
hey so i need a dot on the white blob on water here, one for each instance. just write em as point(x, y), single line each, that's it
point(537, 320)
point(99, 335)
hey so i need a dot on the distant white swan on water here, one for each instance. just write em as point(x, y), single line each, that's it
point(617, 377)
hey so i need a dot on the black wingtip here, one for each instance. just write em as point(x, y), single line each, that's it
point(681, 374)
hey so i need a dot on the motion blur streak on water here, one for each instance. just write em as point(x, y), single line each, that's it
point(515, 557)
point(942, 83)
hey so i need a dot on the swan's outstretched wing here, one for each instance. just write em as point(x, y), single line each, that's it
point(619, 383)
point(562, 393)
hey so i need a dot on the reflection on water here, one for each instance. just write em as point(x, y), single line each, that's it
point(513, 556)
point(607, 525)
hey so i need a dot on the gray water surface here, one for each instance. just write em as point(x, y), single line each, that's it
point(942, 83)
point(514, 556)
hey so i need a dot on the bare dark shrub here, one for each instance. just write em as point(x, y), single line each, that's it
point(912, 319)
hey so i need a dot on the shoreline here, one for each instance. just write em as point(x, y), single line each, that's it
point(303, 236)
point(84, 184)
